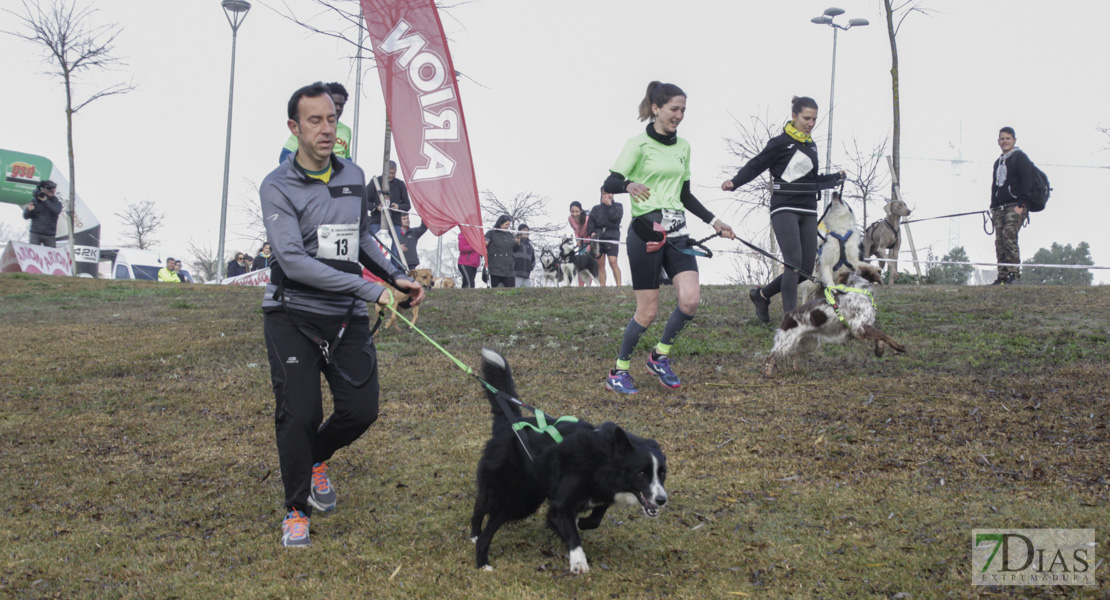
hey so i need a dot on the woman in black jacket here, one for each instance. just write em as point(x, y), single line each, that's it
point(791, 158)
point(499, 254)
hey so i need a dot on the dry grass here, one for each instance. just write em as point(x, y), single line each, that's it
point(138, 461)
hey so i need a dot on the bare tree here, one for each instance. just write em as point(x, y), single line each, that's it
point(753, 197)
point(253, 228)
point(12, 232)
point(140, 221)
point(867, 173)
point(203, 262)
point(897, 10)
point(1105, 131)
point(72, 44)
point(525, 207)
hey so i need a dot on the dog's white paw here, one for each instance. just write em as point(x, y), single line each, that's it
point(578, 564)
point(474, 540)
point(487, 568)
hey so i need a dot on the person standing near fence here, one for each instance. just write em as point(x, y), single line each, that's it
point(605, 226)
point(791, 157)
point(499, 254)
point(654, 169)
point(1011, 188)
point(42, 211)
point(524, 257)
point(469, 259)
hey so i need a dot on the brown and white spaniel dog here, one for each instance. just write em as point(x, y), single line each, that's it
point(806, 327)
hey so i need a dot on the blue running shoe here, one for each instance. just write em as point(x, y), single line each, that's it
point(660, 366)
point(620, 382)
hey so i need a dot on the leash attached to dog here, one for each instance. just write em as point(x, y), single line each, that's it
point(800, 272)
point(845, 289)
point(502, 398)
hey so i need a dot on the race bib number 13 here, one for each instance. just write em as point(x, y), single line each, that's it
point(337, 242)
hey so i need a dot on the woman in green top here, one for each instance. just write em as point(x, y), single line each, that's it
point(654, 169)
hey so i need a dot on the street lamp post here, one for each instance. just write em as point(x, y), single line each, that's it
point(236, 12)
point(828, 19)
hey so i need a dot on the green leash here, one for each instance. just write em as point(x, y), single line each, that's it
point(541, 426)
point(843, 288)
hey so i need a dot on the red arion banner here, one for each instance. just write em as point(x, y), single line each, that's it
point(425, 113)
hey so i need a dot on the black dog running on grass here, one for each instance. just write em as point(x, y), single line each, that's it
point(592, 468)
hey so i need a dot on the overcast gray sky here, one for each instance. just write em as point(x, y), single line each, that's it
point(550, 95)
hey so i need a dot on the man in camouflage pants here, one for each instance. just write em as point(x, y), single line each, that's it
point(1010, 190)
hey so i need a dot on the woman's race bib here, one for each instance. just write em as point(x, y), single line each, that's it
point(674, 222)
point(337, 242)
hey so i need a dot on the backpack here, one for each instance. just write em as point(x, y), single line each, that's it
point(1039, 192)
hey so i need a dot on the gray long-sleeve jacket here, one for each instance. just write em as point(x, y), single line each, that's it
point(294, 207)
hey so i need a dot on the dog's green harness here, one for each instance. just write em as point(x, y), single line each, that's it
point(542, 425)
point(843, 288)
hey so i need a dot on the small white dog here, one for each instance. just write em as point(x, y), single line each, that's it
point(852, 316)
point(839, 253)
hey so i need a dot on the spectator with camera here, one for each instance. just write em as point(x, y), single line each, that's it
point(43, 211)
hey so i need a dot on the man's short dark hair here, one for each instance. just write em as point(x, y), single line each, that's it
point(337, 88)
point(1009, 130)
point(523, 226)
point(46, 184)
point(312, 90)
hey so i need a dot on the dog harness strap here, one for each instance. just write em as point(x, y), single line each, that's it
point(542, 426)
point(896, 232)
point(843, 251)
point(845, 289)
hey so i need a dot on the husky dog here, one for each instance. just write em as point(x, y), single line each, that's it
point(839, 253)
point(574, 264)
point(551, 271)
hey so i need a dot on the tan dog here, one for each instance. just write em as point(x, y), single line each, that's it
point(884, 238)
point(443, 283)
point(421, 276)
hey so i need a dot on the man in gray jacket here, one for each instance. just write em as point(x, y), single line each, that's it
point(314, 208)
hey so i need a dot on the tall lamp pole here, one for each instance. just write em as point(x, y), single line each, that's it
point(828, 19)
point(236, 12)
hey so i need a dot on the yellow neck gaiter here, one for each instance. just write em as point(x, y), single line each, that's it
point(798, 135)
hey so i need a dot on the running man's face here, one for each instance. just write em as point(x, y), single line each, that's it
point(315, 127)
point(805, 120)
point(668, 116)
point(1006, 142)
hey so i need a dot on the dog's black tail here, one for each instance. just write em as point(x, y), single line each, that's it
point(496, 372)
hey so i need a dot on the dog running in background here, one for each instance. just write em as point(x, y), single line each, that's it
point(551, 270)
point(884, 238)
point(591, 469)
point(838, 253)
point(806, 327)
point(576, 263)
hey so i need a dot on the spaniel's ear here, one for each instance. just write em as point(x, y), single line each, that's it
point(842, 277)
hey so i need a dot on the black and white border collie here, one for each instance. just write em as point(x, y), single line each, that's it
point(590, 470)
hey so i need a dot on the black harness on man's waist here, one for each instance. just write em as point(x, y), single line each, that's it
point(279, 279)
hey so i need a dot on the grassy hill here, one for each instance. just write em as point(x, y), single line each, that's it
point(138, 461)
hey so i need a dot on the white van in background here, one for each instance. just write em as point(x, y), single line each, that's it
point(133, 263)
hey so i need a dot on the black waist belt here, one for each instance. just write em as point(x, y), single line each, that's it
point(278, 278)
point(802, 189)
